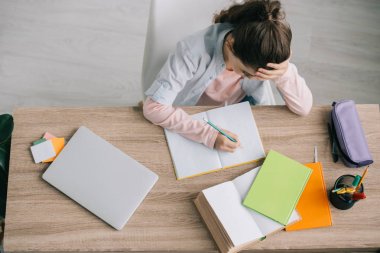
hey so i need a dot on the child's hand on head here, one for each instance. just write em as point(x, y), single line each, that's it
point(224, 144)
point(277, 71)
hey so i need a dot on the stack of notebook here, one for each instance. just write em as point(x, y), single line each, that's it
point(47, 148)
point(256, 204)
point(313, 205)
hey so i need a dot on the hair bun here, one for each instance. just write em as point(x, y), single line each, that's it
point(275, 11)
point(251, 11)
point(270, 10)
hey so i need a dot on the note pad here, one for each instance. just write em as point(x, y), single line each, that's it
point(277, 187)
point(43, 151)
point(192, 159)
point(58, 144)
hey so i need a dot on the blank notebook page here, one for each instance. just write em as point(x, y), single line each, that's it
point(238, 119)
point(189, 157)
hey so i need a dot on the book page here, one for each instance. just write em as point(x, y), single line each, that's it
point(266, 225)
point(238, 119)
point(191, 158)
point(235, 218)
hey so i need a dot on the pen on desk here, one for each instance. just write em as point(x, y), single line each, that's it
point(315, 154)
point(219, 130)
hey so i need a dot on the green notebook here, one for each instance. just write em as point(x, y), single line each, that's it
point(277, 187)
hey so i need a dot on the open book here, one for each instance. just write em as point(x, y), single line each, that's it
point(232, 225)
point(192, 159)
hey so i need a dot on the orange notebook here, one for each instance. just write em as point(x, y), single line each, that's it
point(313, 205)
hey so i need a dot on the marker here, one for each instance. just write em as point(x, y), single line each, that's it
point(346, 190)
point(358, 195)
point(356, 181)
point(341, 191)
point(336, 190)
point(220, 130)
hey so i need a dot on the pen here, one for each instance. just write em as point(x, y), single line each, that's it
point(315, 154)
point(219, 130)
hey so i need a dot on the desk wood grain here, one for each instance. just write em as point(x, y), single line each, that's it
point(40, 218)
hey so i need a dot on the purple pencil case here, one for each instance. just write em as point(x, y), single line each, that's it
point(347, 137)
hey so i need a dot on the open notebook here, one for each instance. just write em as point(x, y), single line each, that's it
point(232, 225)
point(192, 159)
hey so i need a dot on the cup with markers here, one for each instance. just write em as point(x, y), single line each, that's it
point(348, 190)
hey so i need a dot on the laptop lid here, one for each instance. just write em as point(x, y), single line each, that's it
point(100, 177)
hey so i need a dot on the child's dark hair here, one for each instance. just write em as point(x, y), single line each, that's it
point(261, 34)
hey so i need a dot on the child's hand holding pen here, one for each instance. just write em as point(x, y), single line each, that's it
point(226, 140)
point(225, 144)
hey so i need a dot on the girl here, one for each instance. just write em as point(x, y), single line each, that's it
point(227, 62)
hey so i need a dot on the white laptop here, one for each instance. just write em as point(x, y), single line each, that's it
point(100, 177)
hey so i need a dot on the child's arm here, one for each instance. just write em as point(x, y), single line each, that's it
point(294, 91)
point(177, 120)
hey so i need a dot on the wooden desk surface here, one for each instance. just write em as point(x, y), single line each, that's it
point(40, 218)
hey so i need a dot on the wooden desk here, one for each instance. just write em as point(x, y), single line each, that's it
point(40, 218)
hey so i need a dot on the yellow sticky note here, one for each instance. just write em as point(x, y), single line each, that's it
point(58, 144)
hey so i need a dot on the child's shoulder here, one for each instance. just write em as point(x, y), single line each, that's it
point(204, 41)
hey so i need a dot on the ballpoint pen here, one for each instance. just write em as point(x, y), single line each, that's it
point(315, 154)
point(219, 130)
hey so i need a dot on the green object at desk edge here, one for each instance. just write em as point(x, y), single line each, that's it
point(6, 129)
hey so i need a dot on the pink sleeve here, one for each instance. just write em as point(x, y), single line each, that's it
point(178, 121)
point(295, 92)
